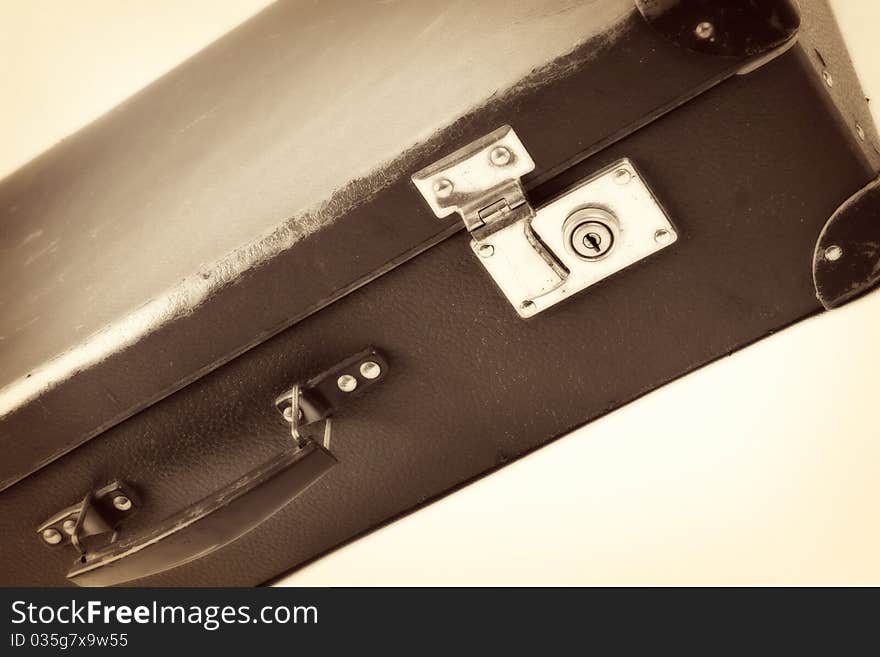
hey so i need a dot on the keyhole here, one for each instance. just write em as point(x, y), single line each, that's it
point(589, 239)
point(593, 241)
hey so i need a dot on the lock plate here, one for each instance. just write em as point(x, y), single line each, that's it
point(539, 257)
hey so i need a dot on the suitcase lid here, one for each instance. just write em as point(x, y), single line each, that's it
point(270, 175)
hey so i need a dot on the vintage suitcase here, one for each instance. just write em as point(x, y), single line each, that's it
point(458, 229)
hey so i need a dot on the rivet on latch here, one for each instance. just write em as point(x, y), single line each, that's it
point(69, 526)
point(486, 250)
point(622, 176)
point(663, 236)
point(500, 156)
point(443, 188)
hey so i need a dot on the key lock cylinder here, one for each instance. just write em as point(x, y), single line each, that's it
point(541, 256)
point(590, 233)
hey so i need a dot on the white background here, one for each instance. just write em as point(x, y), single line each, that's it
point(762, 468)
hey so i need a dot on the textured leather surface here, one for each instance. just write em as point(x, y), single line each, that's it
point(749, 173)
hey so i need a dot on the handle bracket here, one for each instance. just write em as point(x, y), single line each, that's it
point(100, 512)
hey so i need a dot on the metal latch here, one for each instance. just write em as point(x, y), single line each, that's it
point(540, 256)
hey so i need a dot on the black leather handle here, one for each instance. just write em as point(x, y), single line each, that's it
point(209, 524)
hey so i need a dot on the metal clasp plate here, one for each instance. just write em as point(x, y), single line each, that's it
point(538, 257)
point(480, 181)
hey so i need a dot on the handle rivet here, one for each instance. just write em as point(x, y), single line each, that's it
point(121, 503)
point(371, 370)
point(52, 536)
point(704, 30)
point(346, 383)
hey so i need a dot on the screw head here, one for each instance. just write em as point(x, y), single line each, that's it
point(121, 503)
point(347, 383)
point(500, 156)
point(486, 250)
point(443, 188)
point(370, 370)
point(833, 253)
point(704, 30)
point(68, 526)
point(826, 75)
point(663, 236)
point(52, 536)
point(622, 176)
point(860, 131)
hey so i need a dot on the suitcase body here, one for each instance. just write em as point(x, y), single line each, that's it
point(754, 142)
